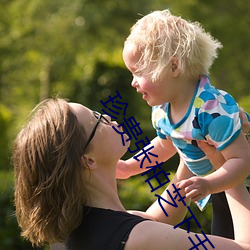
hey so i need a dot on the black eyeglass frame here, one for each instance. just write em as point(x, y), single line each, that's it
point(100, 118)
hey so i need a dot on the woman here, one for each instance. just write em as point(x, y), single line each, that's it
point(65, 188)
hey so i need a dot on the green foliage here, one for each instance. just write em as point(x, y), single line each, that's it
point(5, 123)
point(245, 103)
point(9, 231)
point(6, 182)
point(73, 48)
point(9, 237)
point(136, 194)
point(228, 22)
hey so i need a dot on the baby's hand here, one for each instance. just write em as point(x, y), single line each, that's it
point(195, 187)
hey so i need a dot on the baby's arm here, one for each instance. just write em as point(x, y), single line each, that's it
point(234, 171)
point(176, 214)
point(163, 148)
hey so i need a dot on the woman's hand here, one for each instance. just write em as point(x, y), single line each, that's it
point(198, 187)
point(245, 124)
point(215, 157)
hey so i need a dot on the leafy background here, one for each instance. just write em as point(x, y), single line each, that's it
point(72, 48)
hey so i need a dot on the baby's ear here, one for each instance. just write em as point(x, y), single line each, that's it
point(175, 66)
point(90, 161)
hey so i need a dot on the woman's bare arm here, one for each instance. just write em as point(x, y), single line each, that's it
point(160, 236)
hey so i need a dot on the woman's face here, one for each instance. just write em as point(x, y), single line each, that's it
point(106, 142)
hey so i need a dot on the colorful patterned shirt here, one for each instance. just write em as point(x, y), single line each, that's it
point(213, 115)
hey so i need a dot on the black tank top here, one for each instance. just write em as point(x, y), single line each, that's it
point(102, 229)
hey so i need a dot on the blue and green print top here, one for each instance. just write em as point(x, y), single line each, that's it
point(213, 115)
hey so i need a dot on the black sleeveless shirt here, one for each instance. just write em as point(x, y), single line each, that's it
point(102, 229)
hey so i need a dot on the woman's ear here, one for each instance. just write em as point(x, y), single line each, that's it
point(175, 66)
point(90, 161)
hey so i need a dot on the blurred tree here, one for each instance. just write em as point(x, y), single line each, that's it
point(72, 48)
point(5, 123)
point(51, 47)
point(229, 23)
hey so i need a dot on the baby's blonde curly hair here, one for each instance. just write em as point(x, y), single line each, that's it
point(160, 36)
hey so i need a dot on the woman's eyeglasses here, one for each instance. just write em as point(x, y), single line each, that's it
point(100, 118)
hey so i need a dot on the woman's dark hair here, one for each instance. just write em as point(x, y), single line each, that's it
point(49, 179)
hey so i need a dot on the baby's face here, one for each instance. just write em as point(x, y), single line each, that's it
point(154, 93)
